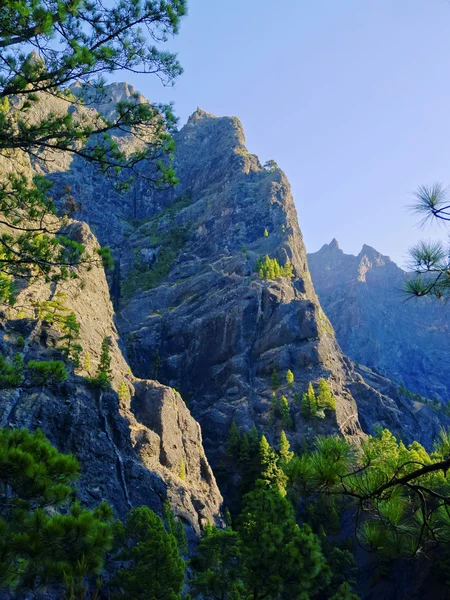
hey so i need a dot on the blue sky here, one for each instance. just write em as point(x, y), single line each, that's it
point(351, 98)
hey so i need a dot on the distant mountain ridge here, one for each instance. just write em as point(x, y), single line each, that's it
point(406, 340)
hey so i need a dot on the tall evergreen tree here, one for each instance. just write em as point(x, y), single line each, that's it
point(285, 413)
point(309, 403)
point(280, 558)
point(289, 378)
point(275, 380)
point(270, 472)
point(285, 453)
point(152, 566)
point(217, 565)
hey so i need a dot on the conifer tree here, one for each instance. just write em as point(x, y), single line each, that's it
point(289, 378)
point(152, 565)
point(271, 473)
point(296, 398)
point(40, 545)
point(285, 454)
point(123, 392)
point(266, 233)
point(285, 413)
point(104, 373)
point(275, 407)
point(275, 380)
point(325, 398)
point(217, 565)
point(345, 593)
point(71, 333)
point(281, 559)
point(309, 403)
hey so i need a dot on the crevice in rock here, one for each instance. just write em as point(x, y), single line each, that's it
point(120, 465)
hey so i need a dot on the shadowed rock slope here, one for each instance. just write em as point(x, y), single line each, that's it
point(406, 341)
point(140, 448)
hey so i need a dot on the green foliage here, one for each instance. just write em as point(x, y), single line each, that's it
point(289, 378)
point(182, 471)
point(243, 450)
point(280, 558)
point(20, 342)
point(275, 381)
point(345, 593)
point(270, 471)
point(269, 268)
point(266, 233)
point(175, 527)
point(217, 564)
point(285, 413)
point(285, 454)
point(55, 312)
point(400, 485)
point(38, 544)
point(123, 392)
point(325, 398)
point(11, 374)
point(151, 563)
point(47, 373)
point(309, 403)
point(70, 46)
point(87, 362)
point(270, 166)
point(103, 375)
point(297, 398)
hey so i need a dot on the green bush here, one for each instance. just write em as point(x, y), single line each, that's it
point(11, 374)
point(49, 372)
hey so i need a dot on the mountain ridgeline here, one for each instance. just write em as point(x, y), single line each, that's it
point(377, 325)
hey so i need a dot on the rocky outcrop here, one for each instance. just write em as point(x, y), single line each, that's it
point(127, 457)
point(404, 339)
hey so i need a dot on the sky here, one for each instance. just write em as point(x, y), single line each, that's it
point(350, 98)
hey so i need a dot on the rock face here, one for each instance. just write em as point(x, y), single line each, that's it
point(127, 457)
point(406, 341)
point(192, 313)
point(191, 310)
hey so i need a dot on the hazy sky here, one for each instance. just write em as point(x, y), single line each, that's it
point(351, 98)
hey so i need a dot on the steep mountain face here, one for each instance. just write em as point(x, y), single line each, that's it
point(406, 341)
point(140, 447)
point(193, 313)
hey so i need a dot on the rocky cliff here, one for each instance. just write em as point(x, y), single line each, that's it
point(377, 325)
point(192, 313)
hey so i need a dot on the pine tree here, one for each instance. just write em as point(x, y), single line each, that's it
point(309, 403)
point(153, 565)
point(217, 565)
point(38, 543)
point(280, 559)
point(275, 380)
point(275, 407)
point(325, 398)
point(285, 454)
point(71, 333)
point(266, 233)
point(289, 378)
point(345, 593)
point(296, 398)
point(285, 412)
point(271, 474)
